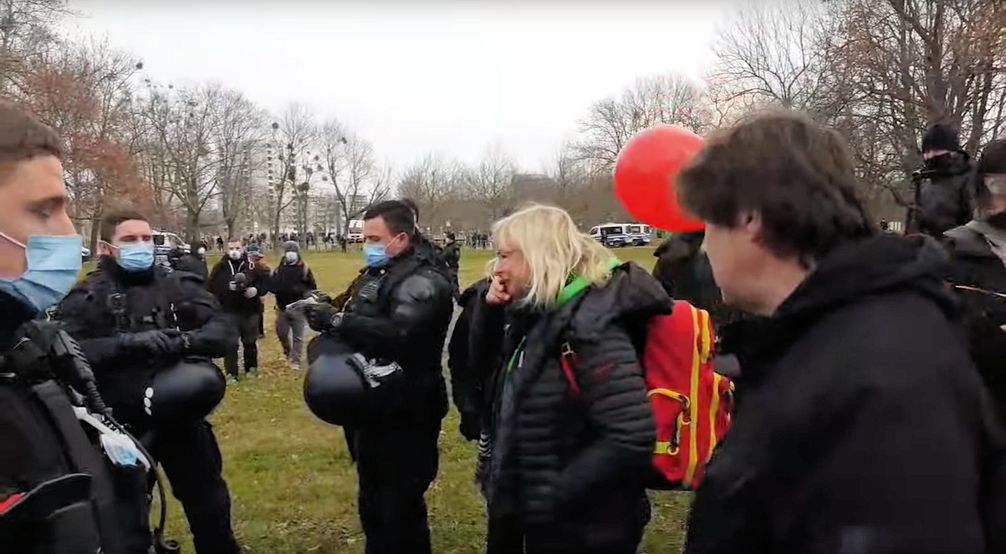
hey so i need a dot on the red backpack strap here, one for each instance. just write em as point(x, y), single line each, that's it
point(568, 361)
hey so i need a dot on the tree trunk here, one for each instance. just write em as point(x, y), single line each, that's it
point(192, 227)
point(95, 233)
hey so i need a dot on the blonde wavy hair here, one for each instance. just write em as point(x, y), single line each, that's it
point(554, 249)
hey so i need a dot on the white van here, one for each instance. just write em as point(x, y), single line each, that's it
point(614, 235)
point(165, 242)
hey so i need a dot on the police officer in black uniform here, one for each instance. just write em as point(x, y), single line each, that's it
point(134, 321)
point(56, 491)
point(399, 311)
point(978, 272)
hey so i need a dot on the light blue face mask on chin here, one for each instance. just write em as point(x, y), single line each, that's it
point(53, 265)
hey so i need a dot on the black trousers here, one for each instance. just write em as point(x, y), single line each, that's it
point(396, 462)
point(248, 329)
point(191, 459)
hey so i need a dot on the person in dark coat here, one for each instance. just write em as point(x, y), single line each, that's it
point(238, 283)
point(861, 424)
point(289, 282)
point(133, 320)
point(978, 271)
point(398, 309)
point(942, 198)
point(452, 257)
point(46, 454)
point(567, 456)
point(468, 381)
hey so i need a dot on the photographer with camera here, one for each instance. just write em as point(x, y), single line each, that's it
point(239, 283)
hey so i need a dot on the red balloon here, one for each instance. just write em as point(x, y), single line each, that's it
point(645, 176)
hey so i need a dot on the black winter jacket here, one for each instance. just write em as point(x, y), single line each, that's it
point(235, 302)
point(975, 266)
point(861, 424)
point(571, 468)
point(401, 313)
point(147, 301)
point(290, 282)
point(468, 380)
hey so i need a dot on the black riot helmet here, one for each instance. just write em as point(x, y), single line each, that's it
point(333, 388)
point(185, 392)
point(342, 387)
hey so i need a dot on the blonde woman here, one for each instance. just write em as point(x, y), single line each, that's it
point(568, 451)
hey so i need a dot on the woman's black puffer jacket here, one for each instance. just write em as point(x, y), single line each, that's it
point(570, 468)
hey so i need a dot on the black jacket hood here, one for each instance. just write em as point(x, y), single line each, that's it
point(877, 265)
point(631, 295)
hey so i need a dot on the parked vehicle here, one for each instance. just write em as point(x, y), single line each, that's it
point(355, 231)
point(616, 235)
point(165, 242)
point(638, 233)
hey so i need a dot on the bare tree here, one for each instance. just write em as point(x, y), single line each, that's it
point(611, 122)
point(773, 52)
point(287, 152)
point(239, 132)
point(431, 182)
point(491, 181)
point(27, 32)
point(182, 124)
point(84, 91)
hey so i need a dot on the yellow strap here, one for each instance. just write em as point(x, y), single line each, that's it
point(712, 412)
point(670, 394)
point(693, 455)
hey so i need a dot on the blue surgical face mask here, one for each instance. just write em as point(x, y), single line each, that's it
point(376, 255)
point(291, 257)
point(136, 256)
point(53, 266)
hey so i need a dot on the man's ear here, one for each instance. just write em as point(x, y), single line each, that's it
point(751, 224)
point(105, 249)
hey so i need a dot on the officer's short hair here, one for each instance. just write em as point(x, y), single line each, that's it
point(114, 218)
point(23, 136)
point(396, 214)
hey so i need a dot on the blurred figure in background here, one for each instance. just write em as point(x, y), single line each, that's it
point(855, 388)
point(942, 199)
point(452, 257)
point(289, 282)
point(565, 467)
point(193, 262)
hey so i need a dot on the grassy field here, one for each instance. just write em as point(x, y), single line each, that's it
point(292, 484)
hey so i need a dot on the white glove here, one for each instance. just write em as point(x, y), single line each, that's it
point(250, 292)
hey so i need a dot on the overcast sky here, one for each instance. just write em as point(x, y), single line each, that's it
point(421, 76)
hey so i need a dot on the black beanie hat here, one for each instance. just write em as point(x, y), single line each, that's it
point(941, 136)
